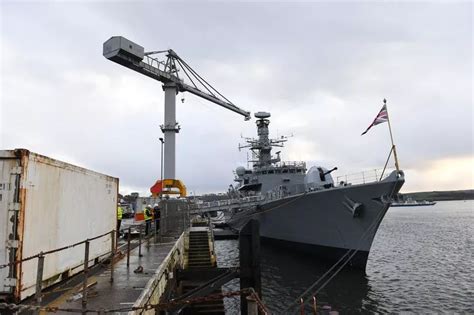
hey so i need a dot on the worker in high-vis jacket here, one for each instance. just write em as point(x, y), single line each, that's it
point(119, 218)
point(147, 216)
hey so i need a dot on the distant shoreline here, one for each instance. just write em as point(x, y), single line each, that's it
point(441, 195)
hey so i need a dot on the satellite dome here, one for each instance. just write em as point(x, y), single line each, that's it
point(240, 171)
point(262, 115)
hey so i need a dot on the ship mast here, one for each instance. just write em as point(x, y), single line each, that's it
point(262, 146)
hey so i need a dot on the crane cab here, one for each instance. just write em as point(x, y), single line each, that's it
point(118, 45)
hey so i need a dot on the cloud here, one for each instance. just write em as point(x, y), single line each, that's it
point(321, 69)
point(448, 174)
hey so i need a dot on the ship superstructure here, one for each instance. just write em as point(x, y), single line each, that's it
point(269, 173)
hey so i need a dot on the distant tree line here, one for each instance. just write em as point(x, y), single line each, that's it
point(440, 195)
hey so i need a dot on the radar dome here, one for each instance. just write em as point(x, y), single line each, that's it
point(261, 115)
point(240, 171)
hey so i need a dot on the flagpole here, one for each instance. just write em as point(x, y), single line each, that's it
point(391, 137)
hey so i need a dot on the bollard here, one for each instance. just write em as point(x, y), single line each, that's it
point(84, 282)
point(112, 254)
point(302, 306)
point(140, 241)
point(129, 236)
point(252, 307)
point(314, 306)
point(39, 279)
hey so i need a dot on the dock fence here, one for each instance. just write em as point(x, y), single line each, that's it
point(256, 302)
point(41, 258)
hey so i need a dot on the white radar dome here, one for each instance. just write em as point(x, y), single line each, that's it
point(240, 171)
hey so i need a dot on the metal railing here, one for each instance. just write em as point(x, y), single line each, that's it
point(41, 257)
point(364, 177)
point(255, 305)
point(227, 204)
point(139, 227)
point(40, 265)
point(292, 164)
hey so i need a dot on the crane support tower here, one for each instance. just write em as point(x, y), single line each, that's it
point(166, 70)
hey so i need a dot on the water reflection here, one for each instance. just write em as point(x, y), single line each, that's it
point(286, 275)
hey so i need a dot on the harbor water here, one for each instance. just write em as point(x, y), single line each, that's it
point(422, 261)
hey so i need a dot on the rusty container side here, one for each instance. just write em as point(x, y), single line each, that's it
point(60, 204)
point(10, 173)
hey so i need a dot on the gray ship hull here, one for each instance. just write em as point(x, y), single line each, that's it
point(321, 222)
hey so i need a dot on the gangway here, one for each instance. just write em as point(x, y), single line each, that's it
point(228, 204)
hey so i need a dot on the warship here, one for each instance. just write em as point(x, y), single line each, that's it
point(306, 210)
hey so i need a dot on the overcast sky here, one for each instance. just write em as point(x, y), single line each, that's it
point(321, 69)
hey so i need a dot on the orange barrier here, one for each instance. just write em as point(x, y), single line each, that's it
point(139, 216)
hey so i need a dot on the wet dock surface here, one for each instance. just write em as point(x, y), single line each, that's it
point(128, 285)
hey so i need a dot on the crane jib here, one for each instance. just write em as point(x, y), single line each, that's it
point(215, 100)
point(132, 55)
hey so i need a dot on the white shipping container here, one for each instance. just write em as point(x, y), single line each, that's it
point(47, 204)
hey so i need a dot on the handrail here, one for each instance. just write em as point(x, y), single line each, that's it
point(375, 175)
point(42, 254)
point(143, 308)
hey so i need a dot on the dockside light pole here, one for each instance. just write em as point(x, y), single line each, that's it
point(162, 143)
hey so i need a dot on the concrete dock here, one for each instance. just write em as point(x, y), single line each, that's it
point(134, 285)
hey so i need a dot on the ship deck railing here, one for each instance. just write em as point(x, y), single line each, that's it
point(227, 204)
point(292, 164)
point(375, 175)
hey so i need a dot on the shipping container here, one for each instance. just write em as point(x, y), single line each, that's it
point(47, 204)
